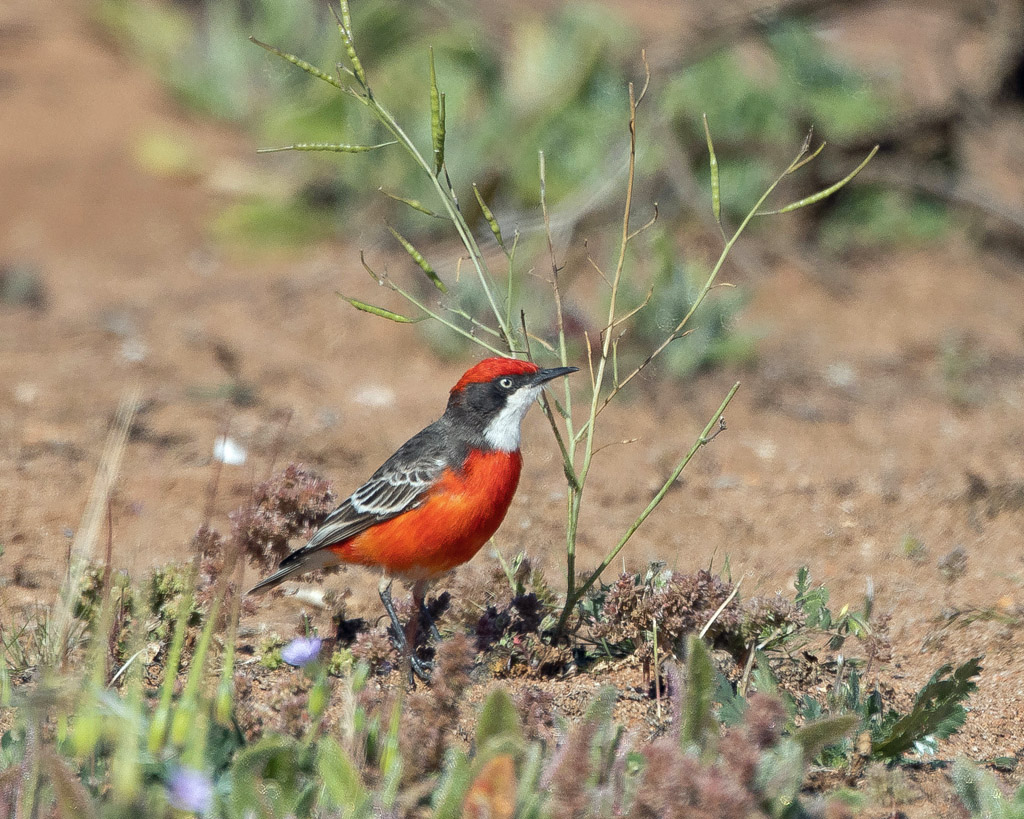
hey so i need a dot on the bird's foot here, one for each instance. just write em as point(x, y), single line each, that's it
point(419, 668)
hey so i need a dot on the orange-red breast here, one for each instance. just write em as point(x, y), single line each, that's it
point(441, 496)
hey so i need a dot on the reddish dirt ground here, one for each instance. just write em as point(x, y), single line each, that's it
point(848, 436)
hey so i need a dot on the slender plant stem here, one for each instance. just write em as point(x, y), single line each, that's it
point(571, 601)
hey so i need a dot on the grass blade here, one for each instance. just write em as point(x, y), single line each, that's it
point(698, 721)
point(92, 519)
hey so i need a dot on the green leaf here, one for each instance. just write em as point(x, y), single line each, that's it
point(341, 777)
point(937, 711)
point(391, 761)
point(816, 736)
point(273, 760)
point(5, 684)
point(732, 704)
point(981, 795)
point(452, 786)
point(780, 772)
point(698, 720)
point(531, 769)
point(813, 602)
point(499, 720)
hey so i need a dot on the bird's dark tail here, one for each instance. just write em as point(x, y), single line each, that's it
point(298, 562)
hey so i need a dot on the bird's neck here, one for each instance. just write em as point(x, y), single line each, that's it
point(502, 431)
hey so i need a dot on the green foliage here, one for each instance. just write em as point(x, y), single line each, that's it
point(711, 341)
point(206, 59)
point(766, 101)
point(874, 217)
point(121, 752)
point(981, 795)
point(499, 722)
point(816, 736)
point(813, 603)
point(623, 617)
point(913, 548)
point(272, 223)
point(699, 728)
point(553, 82)
point(937, 713)
point(270, 651)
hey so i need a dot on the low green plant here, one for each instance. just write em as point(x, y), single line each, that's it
point(876, 217)
point(658, 606)
point(982, 796)
point(119, 752)
point(937, 713)
point(119, 747)
point(201, 54)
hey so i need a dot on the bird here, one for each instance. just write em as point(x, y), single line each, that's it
point(438, 499)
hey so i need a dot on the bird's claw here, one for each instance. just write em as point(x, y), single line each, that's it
point(419, 668)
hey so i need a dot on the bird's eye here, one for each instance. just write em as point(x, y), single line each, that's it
point(505, 383)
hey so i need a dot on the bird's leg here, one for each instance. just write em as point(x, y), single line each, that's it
point(419, 598)
point(384, 590)
point(405, 638)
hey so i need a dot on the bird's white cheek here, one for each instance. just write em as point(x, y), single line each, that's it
point(503, 431)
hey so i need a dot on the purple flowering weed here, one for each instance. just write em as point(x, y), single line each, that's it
point(301, 651)
point(191, 790)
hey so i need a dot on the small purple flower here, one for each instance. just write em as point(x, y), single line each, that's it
point(191, 790)
point(301, 651)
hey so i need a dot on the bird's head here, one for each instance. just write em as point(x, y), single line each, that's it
point(495, 395)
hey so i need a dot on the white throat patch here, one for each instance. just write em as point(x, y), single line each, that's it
point(503, 430)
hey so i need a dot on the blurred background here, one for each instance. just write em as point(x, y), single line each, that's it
point(878, 335)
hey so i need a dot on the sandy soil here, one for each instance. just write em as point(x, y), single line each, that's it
point(891, 409)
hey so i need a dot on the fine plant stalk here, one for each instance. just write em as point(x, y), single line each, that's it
point(162, 715)
point(575, 487)
point(705, 436)
point(92, 519)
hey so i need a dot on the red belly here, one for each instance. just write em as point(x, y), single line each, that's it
point(459, 516)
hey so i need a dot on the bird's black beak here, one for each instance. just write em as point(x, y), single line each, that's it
point(543, 376)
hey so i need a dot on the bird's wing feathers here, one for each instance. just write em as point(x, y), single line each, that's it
point(402, 483)
point(393, 489)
